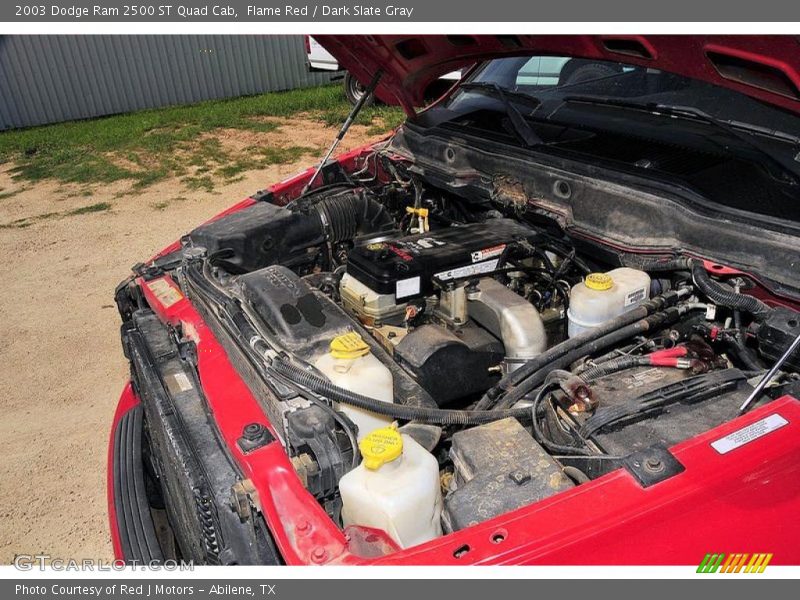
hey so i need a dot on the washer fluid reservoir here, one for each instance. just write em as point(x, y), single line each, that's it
point(395, 489)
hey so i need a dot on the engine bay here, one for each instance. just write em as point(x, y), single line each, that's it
point(432, 362)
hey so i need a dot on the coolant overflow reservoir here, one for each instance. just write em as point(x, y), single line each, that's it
point(603, 296)
point(349, 364)
point(395, 489)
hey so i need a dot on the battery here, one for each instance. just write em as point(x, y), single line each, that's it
point(407, 266)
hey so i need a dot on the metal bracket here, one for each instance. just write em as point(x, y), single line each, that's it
point(652, 465)
point(244, 499)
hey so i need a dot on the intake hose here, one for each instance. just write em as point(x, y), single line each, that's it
point(350, 213)
point(402, 412)
point(580, 341)
point(720, 293)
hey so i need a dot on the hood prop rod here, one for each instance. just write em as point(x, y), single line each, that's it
point(368, 91)
point(770, 374)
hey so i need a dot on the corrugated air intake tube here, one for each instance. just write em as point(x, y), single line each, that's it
point(350, 213)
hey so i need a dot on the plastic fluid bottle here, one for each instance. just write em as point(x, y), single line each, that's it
point(395, 488)
point(350, 365)
point(603, 296)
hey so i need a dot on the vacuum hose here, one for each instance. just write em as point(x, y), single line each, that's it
point(396, 411)
point(718, 292)
point(725, 296)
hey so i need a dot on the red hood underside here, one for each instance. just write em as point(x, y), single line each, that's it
point(764, 67)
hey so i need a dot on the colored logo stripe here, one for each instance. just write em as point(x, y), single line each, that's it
point(734, 563)
point(710, 563)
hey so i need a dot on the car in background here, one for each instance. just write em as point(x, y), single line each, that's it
point(319, 59)
point(540, 71)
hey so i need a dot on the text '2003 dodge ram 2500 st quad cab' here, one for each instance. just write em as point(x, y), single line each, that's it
point(549, 320)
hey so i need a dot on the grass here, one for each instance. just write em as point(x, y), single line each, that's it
point(92, 208)
point(83, 210)
point(151, 145)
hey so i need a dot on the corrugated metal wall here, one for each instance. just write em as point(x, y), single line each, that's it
point(47, 79)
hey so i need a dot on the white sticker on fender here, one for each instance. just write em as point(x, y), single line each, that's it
point(745, 435)
point(164, 292)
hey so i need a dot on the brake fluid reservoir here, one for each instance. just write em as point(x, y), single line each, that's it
point(395, 488)
point(603, 296)
point(350, 365)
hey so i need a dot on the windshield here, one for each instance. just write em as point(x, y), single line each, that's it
point(725, 145)
point(551, 79)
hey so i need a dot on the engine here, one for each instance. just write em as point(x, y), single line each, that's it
point(501, 359)
point(431, 300)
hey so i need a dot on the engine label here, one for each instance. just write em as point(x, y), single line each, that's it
point(487, 253)
point(407, 287)
point(745, 435)
point(469, 270)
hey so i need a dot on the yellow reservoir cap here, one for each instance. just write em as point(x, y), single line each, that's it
point(349, 345)
point(381, 446)
point(599, 281)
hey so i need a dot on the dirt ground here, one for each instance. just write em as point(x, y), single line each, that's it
point(61, 365)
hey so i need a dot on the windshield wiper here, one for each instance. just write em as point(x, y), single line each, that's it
point(742, 131)
point(520, 126)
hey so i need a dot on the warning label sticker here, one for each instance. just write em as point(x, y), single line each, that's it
point(178, 382)
point(488, 253)
point(165, 293)
point(469, 270)
point(745, 435)
point(635, 296)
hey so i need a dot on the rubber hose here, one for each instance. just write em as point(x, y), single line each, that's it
point(402, 412)
point(575, 474)
point(547, 357)
point(613, 366)
point(718, 292)
point(590, 347)
point(350, 213)
point(725, 296)
point(741, 352)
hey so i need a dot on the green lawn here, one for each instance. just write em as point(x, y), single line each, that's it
point(150, 145)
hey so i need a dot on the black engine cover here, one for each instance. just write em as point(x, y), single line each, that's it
point(406, 266)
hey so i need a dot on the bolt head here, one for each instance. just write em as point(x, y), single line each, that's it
point(253, 431)
point(653, 464)
point(318, 554)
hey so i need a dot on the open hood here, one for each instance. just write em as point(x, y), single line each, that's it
point(765, 67)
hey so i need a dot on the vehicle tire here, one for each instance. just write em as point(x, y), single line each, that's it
point(582, 72)
point(354, 90)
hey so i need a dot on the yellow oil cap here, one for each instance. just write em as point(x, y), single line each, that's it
point(349, 345)
point(598, 281)
point(381, 446)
